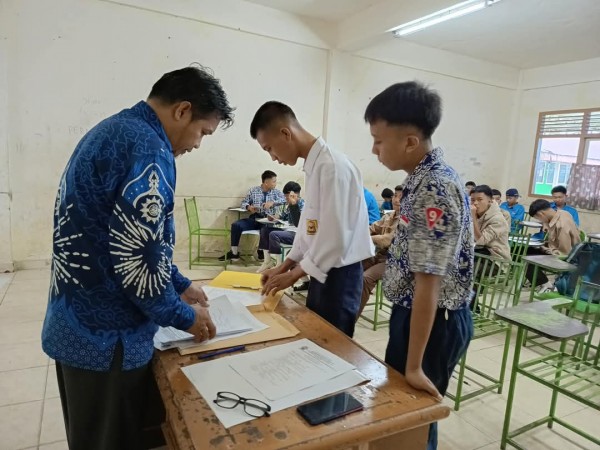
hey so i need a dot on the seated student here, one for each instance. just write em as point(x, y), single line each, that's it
point(259, 201)
point(372, 206)
point(563, 235)
point(516, 211)
point(559, 195)
point(387, 195)
point(469, 186)
point(489, 225)
point(498, 199)
point(271, 238)
point(382, 233)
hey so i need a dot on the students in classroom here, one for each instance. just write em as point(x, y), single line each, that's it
point(117, 281)
point(260, 201)
point(497, 195)
point(469, 186)
point(559, 197)
point(382, 232)
point(512, 206)
point(563, 235)
point(333, 235)
point(429, 273)
point(489, 225)
point(372, 206)
point(271, 238)
point(387, 195)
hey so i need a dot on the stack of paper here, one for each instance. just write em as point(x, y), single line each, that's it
point(282, 376)
point(230, 318)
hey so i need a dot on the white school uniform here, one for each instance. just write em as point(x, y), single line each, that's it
point(334, 224)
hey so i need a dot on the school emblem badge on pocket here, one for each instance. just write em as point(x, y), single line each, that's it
point(312, 226)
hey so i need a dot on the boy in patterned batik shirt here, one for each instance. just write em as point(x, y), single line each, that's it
point(429, 273)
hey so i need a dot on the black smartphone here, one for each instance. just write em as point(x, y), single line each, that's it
point(329, 408)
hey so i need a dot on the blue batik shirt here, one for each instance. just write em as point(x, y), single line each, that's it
point(257, 197)
point(112, 273)
point(434, 236)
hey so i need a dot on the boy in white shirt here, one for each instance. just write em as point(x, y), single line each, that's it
point(333, 235)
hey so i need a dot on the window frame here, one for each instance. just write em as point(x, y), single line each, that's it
point(584, 137)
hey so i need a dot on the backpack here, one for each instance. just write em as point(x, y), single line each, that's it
point(586, 256)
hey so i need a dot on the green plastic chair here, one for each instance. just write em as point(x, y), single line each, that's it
point(379, 304)
point(497, 285)
point(572, 371)
point(196, 232)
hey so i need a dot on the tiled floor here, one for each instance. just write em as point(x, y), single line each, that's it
point(31, 418)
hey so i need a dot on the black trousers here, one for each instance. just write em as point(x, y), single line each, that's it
point(109, 410)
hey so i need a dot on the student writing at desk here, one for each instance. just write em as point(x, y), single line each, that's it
point(271, 238)
point(563, 235)
point(260, 201)
point(117, 283)
point(429, 273)
point(333, 234)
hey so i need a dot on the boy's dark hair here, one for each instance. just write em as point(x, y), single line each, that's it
point(267, 114)
point(291, 186)
point(198, 86)
point(496, 192)
point(267, 175)
point(400, 187)
point(483, 189)
point(409, 103)
point(559, 189)
point(538, 205)
point(387, 193)
point(471, 183)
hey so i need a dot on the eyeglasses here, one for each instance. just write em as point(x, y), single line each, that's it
point(252, 407)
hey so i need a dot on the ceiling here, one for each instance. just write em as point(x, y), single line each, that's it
point(518, 33)
point(329, 10)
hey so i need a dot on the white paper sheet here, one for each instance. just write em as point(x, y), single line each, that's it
point(281, 370)
point(243, 297)
point(232, 319)
point(210, 377)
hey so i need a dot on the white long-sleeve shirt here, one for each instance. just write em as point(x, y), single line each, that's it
point(334, 225)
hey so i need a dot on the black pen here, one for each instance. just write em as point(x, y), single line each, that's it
point(222, 352)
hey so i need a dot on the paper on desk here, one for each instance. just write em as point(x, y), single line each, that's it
point(281, 370)
point(214, 376)
point(230, 319)
point(244, 297)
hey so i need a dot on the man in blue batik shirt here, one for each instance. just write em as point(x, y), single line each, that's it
point(113, 281)
point(429, 272)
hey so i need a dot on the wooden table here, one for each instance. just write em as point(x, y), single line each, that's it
point(547, 262)
point(395, 415)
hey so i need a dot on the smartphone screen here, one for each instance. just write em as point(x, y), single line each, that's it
point(329, 408)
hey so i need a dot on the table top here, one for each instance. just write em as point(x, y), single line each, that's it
point(531, 224)
point(540, 317)
point(532, 242)
point(550, 262)
point(594, 236)
point(390, 405)
point(238, 209)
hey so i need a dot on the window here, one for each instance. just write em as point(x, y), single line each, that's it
point(564, 138)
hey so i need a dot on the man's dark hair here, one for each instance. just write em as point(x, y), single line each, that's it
point(559, 189)
point(291, 186)
point(269, 113)
point(471, 183)
point(198, 86)
point(387, 193)
point(409, 103)
point(496, 192)
point(538, 205)
point(483, 189)
point(267, 175)
point(400, 187)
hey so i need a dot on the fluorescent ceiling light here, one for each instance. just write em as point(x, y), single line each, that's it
point(452, 12)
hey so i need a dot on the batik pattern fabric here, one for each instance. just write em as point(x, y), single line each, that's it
point(434, 236)
point(112, 274)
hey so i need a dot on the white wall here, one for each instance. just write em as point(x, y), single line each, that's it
point(566, 86)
